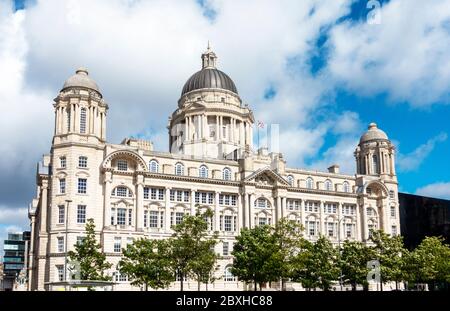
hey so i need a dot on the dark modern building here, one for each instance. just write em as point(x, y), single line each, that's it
point(15, 257)
point(422, 216)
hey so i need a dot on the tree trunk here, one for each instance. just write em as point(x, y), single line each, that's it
point(354, 286)
point(260, 286)
point(255, 286)
point(198, 285)
point(181, 283)
point(283, 284)
point(396, 285)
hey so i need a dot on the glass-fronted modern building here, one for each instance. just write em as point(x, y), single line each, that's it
point(423, 216)
point(15, 250)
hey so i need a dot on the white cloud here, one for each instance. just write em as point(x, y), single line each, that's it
point(141, 53)
point(406, 55)
point(412, 161)
point(436, 190)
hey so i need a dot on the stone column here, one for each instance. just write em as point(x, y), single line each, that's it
point(103, 126)
point(139, 202)
point(251, 205)
point(186, 128)
point(44, 206)
point(322, 218)
point(341, 226)
point(241, 133)
point(358, 224)
point(192, 202)
point(216, 212)
point(205, 127)
point(246, 210)
point(278, 208)
point(217, 129)
point(240, 213)
point(107, 199)
point(250, 139)
point(167, 209)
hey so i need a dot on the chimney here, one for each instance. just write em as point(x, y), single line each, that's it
point(334, 169)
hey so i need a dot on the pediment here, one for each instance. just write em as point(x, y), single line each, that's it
point(267, 177)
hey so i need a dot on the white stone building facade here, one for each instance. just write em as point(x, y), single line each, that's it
point(132, 191)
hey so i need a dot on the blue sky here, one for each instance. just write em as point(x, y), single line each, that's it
point(319, 69)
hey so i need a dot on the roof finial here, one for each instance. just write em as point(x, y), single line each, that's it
point(209, 58)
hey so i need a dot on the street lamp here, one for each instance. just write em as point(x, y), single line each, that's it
point(65, 241)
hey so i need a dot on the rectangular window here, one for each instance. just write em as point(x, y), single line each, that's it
point(221, 222)
point(153, 220)
point(113, 216)
point(393, 211)
point(391, 194)
point(227, 223)
point(394, 230)
point(225, 248)
point(186, 196)
point(179, 218)
point(81, 214)
point(120, 277)
point(80, 239)
point(62, 162)
point(161, 194)
point(204, 197)
point(121, 216)
point(121, 191)
point(161, 219)
point(349, 230)
point(330, 229)
point(153, 194)
point(60, 244)
point(61, 214)
point(117, 244)
point(130, 217)
point(172, 195)
point(122, 165)
point(179, 196)
point(348, 209)
point(233, 200)
point(330, 208)
point(311, 206)
point(60, 273)
point(311, 228)
point(82, 185)
point(82, 161)
point(145, 218)
point(62, 185)
point(146, 193)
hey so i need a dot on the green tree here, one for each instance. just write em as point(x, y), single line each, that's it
point(189, 244)
point(392, 255)
point(203, 266)
point(289, 238)
point(354, 258)
point(87, 253)
point(317, 265)
point(256, 256)
point(430, 262)
point(148, 262)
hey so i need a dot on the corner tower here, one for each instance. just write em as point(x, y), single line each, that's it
point(80, 111)
point(211, 120)
point(375, 154)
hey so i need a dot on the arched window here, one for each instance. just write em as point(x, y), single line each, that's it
point(226, 174)
point(262, 203)
point(83, 120)
point(203, 171)
point(227, 275)
point(328, 185)
point(309, 183)
point(375, 164)
point(179, 169)
point(154, 166)
point(346, 186)
point(122, 191)
point(290, 180)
